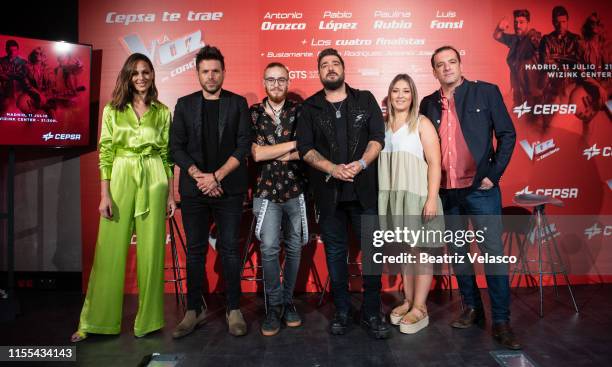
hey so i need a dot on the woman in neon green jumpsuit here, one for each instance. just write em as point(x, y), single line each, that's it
point(136, 194)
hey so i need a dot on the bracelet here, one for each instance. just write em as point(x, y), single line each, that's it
point(363, 163)
point(216, 180)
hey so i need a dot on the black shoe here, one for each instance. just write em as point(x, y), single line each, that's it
point(376, 327)
point(339, 324)
point(469, 316)
point(272, 323)
point(290, 316)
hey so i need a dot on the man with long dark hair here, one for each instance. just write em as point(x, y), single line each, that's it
point(340, 135)
point(210, 140)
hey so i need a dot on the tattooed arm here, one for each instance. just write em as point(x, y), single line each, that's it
point(337, 171)
point(316, 160)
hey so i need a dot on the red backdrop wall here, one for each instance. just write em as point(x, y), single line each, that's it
point(377, 40)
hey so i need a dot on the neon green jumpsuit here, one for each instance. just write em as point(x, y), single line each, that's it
point(134, 157)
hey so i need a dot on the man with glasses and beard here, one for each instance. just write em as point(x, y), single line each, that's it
point(340, 134)
point(278, 202)
point(210, 139)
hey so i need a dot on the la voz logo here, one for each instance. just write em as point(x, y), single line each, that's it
point(165, 51)
point(539, 150)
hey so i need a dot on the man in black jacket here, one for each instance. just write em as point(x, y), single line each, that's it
point(340, 134)
point(466, 115)
point(210, 139)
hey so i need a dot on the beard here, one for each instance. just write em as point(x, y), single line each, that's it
point(277, 98)
point(212, 90)
point(333, 84)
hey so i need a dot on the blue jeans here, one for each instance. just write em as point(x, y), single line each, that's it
point(286, 217)
point(483, 207)
point(335, 235)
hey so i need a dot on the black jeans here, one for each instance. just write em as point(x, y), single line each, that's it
point(227, 213)
point(334, 232)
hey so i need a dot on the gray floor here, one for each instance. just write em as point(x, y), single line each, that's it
point(561, 338)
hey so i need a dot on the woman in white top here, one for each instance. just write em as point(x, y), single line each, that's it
point(409, 171)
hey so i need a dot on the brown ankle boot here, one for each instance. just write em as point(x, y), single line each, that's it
point(469, 317)
point(235, 323)
point(504, 335)
point(189, 323)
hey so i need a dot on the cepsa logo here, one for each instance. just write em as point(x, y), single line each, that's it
point(284, 25)
point(545, 109)
point(562, 193)
point(598, 230)
point(594, 151)
point(50, 136)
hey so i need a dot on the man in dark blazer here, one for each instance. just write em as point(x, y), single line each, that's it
point(467, 114)
point(210, 139)
point(340, 134)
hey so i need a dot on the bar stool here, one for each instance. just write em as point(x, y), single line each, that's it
point(177, 270)
point(544, 239)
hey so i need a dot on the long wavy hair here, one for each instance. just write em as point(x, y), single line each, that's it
point(413, 109)
point(124, 91)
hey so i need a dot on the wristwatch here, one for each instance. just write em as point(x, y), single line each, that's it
point(363, 164)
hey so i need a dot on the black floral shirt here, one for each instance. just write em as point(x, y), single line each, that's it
point(277, 181)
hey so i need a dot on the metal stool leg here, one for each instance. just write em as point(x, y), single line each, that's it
point(561, 266)
point(176, 266)
point(249, 251)
point(174, 262)
point(323, 291)
point(538, 235)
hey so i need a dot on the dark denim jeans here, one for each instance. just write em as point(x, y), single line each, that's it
point(483, 207)
point(227, 213)
point(335, 235)
point(286, 217)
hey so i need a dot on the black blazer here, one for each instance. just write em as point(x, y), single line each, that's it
point(234, 140)
point(315, 130)
point(482, 113)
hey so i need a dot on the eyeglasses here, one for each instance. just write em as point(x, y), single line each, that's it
point(281, 81)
